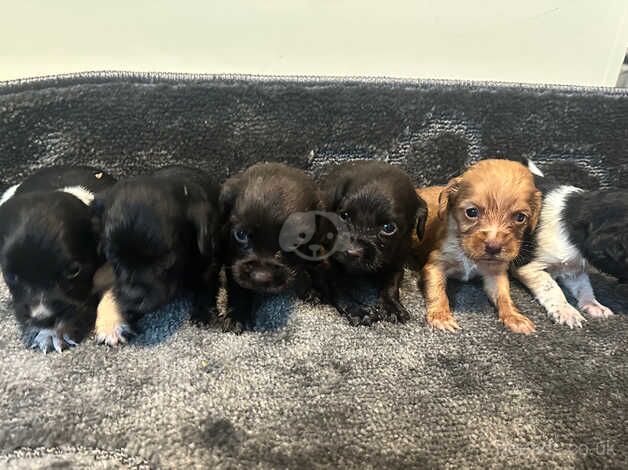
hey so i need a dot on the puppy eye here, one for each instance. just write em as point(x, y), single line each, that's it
point(344, 215)
point(472, 212)
point(72, 271)
point(389, 228)
point(10, 278)
point(520, 217)
point(241, 236)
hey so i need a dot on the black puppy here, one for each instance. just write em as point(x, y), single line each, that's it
point(576, 228)
point(269, 224)
point(597, 222)
point(159, 234)
point(48, 253)
point(382, 212)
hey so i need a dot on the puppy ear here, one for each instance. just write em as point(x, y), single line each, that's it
point(97, 212)
point(536, 205)
point(421, 217)
point(228, 195)
point(201, 216)
point(444, 199)
point(334, 192)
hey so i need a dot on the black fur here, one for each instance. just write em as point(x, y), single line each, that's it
point(370, 195)
point(56, 177)
point(597, 223)
point(159, 233)
point(259, 205)
point(48, 250)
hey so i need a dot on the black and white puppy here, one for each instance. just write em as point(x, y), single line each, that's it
point(159, 234)
point(269, 216)
point(48, 253)
point(382, 212)
point(577, 227)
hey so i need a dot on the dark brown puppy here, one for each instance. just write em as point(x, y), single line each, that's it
point(269, 213)
point(381, 212)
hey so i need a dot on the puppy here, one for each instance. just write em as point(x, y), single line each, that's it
point(576, 228)
point(484, 216)
point(48, 253)
point(263, 208)
point(382, 214)
point(159, 234)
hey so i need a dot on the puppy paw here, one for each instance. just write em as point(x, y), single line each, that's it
point(309, 296)
point(397, 314)
point(230, 325)
point(596, 309)
point(567, 315)
point(442, 320)
point(518, 323)
point(361, 316)
point(49, 340)
point(111, 328)
point(113, 335)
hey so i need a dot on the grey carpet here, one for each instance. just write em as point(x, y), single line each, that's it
point(307, 390)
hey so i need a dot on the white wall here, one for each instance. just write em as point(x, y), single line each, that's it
point(550, 41)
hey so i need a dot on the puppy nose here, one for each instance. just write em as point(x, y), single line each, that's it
point(262, 276)
point(493, 248)
point(355, 251)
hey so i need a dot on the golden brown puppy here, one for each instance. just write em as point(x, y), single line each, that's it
point(475, 227)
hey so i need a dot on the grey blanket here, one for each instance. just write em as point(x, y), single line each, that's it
point(306, 389)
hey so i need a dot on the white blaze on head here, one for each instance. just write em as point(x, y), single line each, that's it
point(8, 194)
point(535, 170)
point(83, 194)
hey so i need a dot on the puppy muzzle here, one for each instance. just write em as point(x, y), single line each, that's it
point(359, 255)
point(135, 298)
point(44, 313)
point(265, 276)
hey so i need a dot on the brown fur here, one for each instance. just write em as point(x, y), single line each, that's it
point(435, 228)
point(500, 190)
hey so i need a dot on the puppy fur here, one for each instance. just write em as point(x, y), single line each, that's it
point(48, 253)
point(256, 206)
point(576, 228)
point(484, 217)
point(382, 214)
point(159, 233)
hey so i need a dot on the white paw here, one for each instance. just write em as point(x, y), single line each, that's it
point(117, 334)
point(47, 340)
point(596, 309)
point(565, 314)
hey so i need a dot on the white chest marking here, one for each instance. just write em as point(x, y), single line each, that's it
point(458, 265)
point(553, 246)
point(81, 193)
point(8, 194)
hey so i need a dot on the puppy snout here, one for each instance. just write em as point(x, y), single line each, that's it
point(355, 251)
point(493, 247)
point(40, 311)
point(262, 276)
